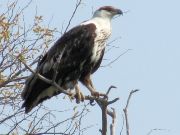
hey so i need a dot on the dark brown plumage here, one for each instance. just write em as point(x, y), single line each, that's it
point(82, 49)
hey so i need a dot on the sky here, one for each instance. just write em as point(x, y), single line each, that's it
point(151, 29)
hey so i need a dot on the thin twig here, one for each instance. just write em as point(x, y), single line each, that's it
point(74, 12)
point(109, 64)
point(9, 117)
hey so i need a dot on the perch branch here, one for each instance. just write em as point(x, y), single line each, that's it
point(102, 102)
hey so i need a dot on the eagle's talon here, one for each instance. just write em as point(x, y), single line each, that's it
point(95, 94)
point(79, 97)
point(72, 96)
point(82, 97)
point(98, 94)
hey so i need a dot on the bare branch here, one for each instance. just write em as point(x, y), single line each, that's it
point(9, 117)
point(109, 64)
point(53, 83)
point(74, 12)
point(103, 104)
point(111, 87)
point(126, 112)
point(112, 125)
point(113, 101)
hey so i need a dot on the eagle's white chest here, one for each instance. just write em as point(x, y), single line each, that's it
point(103, 31)
point(99, 44)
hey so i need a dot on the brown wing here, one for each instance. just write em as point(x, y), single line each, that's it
point(78, 44)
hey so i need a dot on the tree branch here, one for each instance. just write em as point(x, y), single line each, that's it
point(103, 104)
point(112, 125)
point(126, 111)
point(74, 12)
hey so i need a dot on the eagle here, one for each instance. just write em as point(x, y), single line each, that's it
point(80, 50)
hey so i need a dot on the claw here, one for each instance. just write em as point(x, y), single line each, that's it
point(79, 96)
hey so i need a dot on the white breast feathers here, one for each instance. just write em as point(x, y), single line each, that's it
point(103, 31)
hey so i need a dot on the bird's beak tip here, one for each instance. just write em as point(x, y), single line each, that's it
point(120, 12)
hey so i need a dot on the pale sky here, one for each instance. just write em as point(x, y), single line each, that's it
point(151, 28)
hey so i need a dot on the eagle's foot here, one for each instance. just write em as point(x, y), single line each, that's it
point(79, 97)
point(98, 94)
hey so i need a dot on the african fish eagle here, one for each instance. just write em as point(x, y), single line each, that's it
point(81, 50)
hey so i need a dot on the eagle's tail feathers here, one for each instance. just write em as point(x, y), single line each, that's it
point(34, 100)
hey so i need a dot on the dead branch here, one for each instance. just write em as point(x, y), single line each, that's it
point(126, 111)
point(9, 117)
point(103, 104)
point(112, 125)
point(72, 16)
point(111, 62)
point(122, 125)
point(77, 114)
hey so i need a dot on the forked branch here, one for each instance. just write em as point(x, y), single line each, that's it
point(103, 103)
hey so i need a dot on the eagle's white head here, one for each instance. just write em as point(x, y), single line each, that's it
point(107, 12)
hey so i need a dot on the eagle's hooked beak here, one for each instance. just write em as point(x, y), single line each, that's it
point(119, 12)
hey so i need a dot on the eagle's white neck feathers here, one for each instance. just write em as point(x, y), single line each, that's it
point(100, 19)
